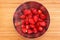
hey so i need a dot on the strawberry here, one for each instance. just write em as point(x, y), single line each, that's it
point(39, 12)
point(35, 30)
point(22, 16)
point(35, 18)
point(27, 12)
point(31, 21)
point(30, 31)
point(42, 16)
point(43, 23)
point(40, 28)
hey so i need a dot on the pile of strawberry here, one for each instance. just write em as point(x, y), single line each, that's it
point(32, 21)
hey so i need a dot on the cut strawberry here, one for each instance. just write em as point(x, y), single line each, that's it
point(22, 16)
point(32, 26)
point(30, 16)
point(39, 12)
point(26, 21)
point(27, 26)
point(40, 19)
point(40, 28)
point(43, 23)
point(38, 24)
point(24, 29)
point(35, 18)
point(27, 12)
point(42, 16)
point(30, 31)
point(31, 21)
point(22, 26)
point(34, 11)
point(35, 30)
point(17, 24)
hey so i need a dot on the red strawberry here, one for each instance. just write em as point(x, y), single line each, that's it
point(22, 16)
point(27, 12)
point(42, 16)
point(35, 18)
point(40, 19)
point(32, 26)
point(31, 21)
point(26, 21)
point(24, 29)
point(39, 12)
point(34, 11)
point(17, 23)
point(27, 26)
point(34, 30)
point(43, 23)
point(30, 31)
point(30, 16)
point(40, 28)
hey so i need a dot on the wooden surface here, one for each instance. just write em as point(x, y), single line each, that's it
point(7, 30)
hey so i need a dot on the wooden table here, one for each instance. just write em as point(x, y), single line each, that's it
point(7, 30)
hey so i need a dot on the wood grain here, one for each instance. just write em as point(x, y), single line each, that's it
point(7, 30)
